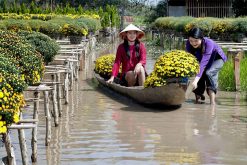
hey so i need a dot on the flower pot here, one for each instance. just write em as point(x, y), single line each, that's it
point(75, 39)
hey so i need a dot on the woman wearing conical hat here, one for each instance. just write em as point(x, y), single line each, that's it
point(131, 54)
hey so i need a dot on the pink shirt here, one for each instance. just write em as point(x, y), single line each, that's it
point(128, 64)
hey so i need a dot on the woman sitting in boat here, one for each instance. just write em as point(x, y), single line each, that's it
point(211, 58)
point(131, 54)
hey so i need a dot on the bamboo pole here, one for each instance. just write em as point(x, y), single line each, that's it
point(48, 118)
point(24, 126)
point(59, 97)
point(71, 84)
point(9, 149)
point(54, 100)
point(28, 121)
point(23, 146)
point(35, 130)
point(66, 88)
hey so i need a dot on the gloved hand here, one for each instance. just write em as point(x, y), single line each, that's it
point(194, 84)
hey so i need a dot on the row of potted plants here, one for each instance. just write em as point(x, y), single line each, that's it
point(59, 26)
point(92, 20)
point(20, 65)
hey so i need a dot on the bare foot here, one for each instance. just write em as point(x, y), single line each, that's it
point(212, 97)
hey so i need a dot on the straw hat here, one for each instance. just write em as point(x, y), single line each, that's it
point(130, 27)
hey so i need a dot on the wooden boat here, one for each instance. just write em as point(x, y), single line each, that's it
point(172, 94)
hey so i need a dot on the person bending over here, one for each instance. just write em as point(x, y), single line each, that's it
point(211, 58)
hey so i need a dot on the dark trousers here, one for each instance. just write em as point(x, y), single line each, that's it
point(209, 79)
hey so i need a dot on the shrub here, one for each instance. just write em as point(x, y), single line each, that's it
point(203, 23)
point(29, 61)
point(16, 25)
point(35, 24)
point(12, 84)
point(47, 47)
point(92, 24)
point(50, 28)
point(9, 69)
point(74, 28)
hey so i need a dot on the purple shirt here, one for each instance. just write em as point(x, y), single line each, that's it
point(211, 50)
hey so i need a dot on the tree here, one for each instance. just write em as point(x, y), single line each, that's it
point(159, 11)
point(239, 7)
point(4, 6)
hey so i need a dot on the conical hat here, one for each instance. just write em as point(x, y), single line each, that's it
point(130, 27)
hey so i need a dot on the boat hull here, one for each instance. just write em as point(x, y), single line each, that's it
point(172, 94)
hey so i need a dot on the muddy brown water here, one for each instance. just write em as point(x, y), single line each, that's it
point(100, 127)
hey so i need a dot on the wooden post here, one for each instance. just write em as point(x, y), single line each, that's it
point(66, 88)
point(35, 129)
point(9, 149)
point(54, 100)
point(82, 60)
point(68, 64)
point(236, 55)
point(59, 97)
point(48, 118)
point(23, 146)
point(71, 75)
point(237, 60)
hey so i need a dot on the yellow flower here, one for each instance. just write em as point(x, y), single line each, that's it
point(174, 64)
point(5, 99)
point(16, 118)
point(3, 129)
point(1, 123)
point(1, 94)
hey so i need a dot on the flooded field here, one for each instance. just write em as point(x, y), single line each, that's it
point(100, 127)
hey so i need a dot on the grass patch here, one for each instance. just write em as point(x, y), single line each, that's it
point(226, 77)
point(243, 74)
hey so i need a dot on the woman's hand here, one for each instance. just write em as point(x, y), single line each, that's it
point(194, 84)
point(137, 69)
point(110, 80)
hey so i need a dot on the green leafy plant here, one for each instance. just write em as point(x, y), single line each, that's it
point(12, 84)
point(226, 77)
point(16, 25)
point(243, 74)
point(46, 46)
point(29, 61)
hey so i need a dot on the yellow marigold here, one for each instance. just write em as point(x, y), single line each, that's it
point(16, 118)
point(3, 129)
point(174, 64)
point(1, 95)
point(1, 123)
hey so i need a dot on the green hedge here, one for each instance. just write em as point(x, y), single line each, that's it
point(222, 28)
